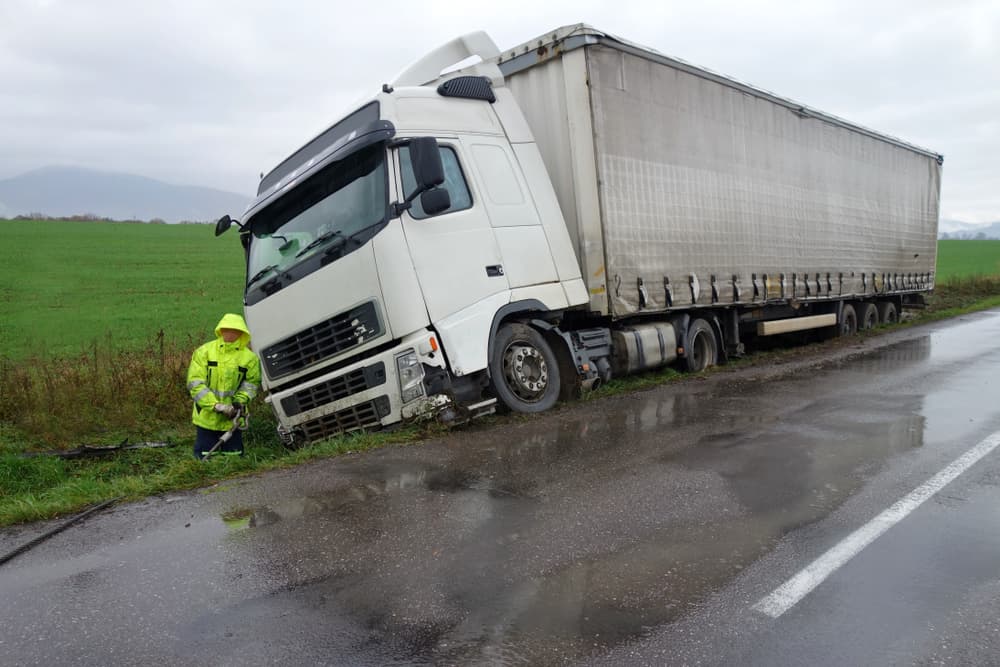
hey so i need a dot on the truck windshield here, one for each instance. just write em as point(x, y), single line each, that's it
point(332, 214)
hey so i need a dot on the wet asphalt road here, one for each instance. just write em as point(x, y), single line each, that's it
point(634, 530)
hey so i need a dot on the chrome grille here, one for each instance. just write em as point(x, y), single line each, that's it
point(322, 341)
point(334, 389)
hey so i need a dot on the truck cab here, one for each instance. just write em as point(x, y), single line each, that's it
point(380, 254)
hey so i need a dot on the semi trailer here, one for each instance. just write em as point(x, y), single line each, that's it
point(538, 220)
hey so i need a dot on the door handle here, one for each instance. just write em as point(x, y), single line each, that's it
point(494, 270)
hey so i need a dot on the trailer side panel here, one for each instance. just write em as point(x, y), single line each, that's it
point(699, 179)
point(713, 192)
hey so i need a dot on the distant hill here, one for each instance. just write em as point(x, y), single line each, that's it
point(68, 191)
point(952, 229)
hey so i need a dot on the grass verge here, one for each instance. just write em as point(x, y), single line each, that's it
point(43, 487)
point(103, 397)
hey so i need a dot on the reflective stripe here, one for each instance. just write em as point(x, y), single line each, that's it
point(249, 388)
point(223, 452)
point(194, 384)
point(218, 394)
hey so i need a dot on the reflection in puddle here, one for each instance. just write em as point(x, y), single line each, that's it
point(815, 459)
point(238, 519)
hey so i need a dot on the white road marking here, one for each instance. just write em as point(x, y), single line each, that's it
point(788, 594)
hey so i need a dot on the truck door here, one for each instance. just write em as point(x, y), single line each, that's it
point(518, 230)
point(454, 253)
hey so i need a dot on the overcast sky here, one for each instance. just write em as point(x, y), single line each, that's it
point(214, 92)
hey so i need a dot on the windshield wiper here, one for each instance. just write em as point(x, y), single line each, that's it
point(337, 251)
point(353, 236)
point(319, 240)
point(260, 274)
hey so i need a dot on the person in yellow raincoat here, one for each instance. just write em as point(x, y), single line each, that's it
point(223, 377)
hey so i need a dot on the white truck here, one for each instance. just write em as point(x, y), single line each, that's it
point(545, 218)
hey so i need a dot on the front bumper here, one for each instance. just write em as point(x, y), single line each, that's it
point(363, 395)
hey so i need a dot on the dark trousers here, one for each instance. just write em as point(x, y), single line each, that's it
point(205, 439)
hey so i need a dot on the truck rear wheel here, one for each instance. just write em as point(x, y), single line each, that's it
point(702, 349)
point(887, 313)
point(524, 370)
point(848, 321)
point(867, 316)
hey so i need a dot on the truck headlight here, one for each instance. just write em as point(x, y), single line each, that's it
point(411, 376)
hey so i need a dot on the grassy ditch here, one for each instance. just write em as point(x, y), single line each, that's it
point(41, 487)
point(960, 295)
point(105, 396)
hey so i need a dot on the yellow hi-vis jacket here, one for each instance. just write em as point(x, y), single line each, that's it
point(222, 372)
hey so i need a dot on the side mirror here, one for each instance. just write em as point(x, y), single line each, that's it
point(425, 157)
point(223, 225)
point(435, 201)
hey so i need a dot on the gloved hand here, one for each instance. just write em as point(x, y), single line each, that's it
point(225, 409)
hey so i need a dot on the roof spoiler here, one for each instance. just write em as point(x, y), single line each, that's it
point(430, 67)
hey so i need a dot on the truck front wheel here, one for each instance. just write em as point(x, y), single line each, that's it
point(524, 370)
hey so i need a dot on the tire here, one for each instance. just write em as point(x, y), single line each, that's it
point(887, 313)
point(702, 348)
point(848, 325)
point(867, 316)
point(524, 370)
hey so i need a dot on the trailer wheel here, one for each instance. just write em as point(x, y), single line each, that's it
point(848, 321)
point(702, 349)
point(887, 313)
point(524, 370)
point(867, 316)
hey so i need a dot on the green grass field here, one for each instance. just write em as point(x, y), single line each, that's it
point(965, 259)
point(65, 286)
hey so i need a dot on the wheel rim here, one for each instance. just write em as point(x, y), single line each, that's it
point(850, 325)
point(525, 371)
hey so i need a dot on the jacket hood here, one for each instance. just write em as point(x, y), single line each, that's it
point(234, 321)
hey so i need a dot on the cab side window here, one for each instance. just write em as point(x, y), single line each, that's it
point(454, 182)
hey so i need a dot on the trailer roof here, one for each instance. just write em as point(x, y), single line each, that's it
point(568, 38)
